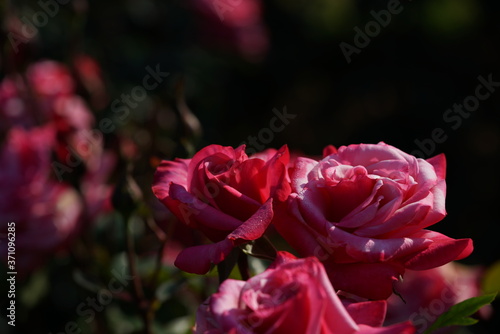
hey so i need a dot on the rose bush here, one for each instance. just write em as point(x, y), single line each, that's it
point(363, 211)
point(292, 296)
point(224, 194)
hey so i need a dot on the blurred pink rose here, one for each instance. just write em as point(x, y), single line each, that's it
point(49, 78)
point(363, 209)
point(429, 293)
point(14, 109)
point(233, 24)
point(46, 213)
point(223, 193)
point(46, 97)
point(94, 185)
point(90, 76)
point(292, 296)
point(54, 92)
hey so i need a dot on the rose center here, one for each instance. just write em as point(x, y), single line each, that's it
point(218, 166)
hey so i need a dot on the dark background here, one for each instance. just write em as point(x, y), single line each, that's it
point(395, 90)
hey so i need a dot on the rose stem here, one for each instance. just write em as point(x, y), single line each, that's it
point(137, 284)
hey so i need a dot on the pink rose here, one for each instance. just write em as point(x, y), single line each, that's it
point(46, 213)
point(223, 193)
point(50, 79)
point(363, 209)
point(235, 25)
point(292, 296)
point(429, 293)
point(14, 109)
point(47, 97)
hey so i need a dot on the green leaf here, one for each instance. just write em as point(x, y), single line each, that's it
point(465, 321)
point(166, 289)
point(177, 326)
point(35, 289)
point(123, 322)
point(458, 315)
point(491, 280)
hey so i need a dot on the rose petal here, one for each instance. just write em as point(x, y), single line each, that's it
point(335, 318)
point(368, 154)
point(313, 207)
point(407, 215)
point(436, 200)
point(191, 208)
point(370, 280)
point(386, 168)
point(365, 212)
point(228, 152)
point(439, 164)
point(347, 196)
point(231, 201)
point(328, 150)
point(292, 227)
point(227, 297)
point(275, 170)
point(282, 319)
point(441, 251)
point(199, 259)
point(255, 226)
point(370, 313)
point(374, 250)
point(169, 172)
point(246, 177)
point(300, 173)
point(403, 328)
point(282, 258)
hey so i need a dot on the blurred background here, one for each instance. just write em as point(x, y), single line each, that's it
point(341, 76)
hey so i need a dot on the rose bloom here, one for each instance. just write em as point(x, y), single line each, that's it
point(292, 296)
point(429, 293)
point(47, 97)
point(50, 79)
point(14, 111)
point(233, 25)
point(362, 210)
point(224, 194)
point(46, 213)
